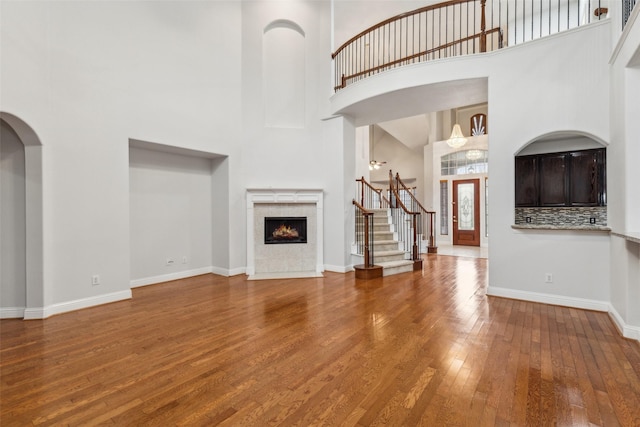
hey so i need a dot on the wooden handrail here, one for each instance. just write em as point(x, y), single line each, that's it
point(415, 255)
point(399, 180)
point(365, 183)
point(362, 208)
point(431, 214)
point(398, 17)
point(371, 187)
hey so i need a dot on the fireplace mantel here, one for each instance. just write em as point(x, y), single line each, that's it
point(270, 197)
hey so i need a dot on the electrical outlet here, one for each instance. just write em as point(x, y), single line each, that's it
point(95, 280)
point(548, 278)
point(528, 219)
point(169, 261)
point(592, 220)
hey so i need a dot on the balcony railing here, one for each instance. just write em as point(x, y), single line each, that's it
point(627, 8)
point(454, 28)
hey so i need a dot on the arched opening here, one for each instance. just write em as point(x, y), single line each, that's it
point(22, 198)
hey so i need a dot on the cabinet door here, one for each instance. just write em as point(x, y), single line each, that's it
point(553, 182)
point(585, 178)
point(526, 181)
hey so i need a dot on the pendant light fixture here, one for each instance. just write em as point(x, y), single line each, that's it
point(457, 139)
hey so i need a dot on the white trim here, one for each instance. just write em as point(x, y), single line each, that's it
point(565, 301)
point(63, 307)
point(338, 268)
point(627, 331)
point(168, 277)
point(11, 312)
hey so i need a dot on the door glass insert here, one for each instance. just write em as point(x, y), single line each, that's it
point(465, 207)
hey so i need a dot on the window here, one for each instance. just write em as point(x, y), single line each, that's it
point(465, 162)
point(486, 207)
point(444, 207)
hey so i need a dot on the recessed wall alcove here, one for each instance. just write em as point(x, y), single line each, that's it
point(269, 261)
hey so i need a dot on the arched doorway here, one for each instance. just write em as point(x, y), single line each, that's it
point(23, 200)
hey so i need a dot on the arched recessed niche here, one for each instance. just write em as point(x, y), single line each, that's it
point(560, 182)
point(283, 75)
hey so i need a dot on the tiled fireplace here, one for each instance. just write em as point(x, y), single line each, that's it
point(284, 233)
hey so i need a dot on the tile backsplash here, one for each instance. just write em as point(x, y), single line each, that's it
point(573, 217)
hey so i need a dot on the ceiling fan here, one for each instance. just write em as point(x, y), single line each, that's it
point(373, 164)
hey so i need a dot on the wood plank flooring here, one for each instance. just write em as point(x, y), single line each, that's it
point(424, 348)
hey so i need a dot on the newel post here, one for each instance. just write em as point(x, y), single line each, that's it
point(483, 26)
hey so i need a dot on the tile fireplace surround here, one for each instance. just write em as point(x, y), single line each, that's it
point(297, 260)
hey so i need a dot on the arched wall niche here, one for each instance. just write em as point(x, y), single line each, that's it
point(567, 190)
point(283, 78)
point(34, 240)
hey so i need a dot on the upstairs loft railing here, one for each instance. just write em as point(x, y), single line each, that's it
point(627, 8)
point(454, 28)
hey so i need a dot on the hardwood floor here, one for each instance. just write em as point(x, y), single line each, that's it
point(423, 348)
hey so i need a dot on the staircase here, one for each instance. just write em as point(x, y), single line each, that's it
point(388, 254)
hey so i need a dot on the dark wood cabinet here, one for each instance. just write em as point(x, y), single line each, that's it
point(526, 181)
point(588, 178)
point(553, 180)
point(576, 178)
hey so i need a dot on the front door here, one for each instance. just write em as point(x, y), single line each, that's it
point(466, 212)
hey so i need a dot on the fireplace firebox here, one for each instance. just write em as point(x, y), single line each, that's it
point(285, 230)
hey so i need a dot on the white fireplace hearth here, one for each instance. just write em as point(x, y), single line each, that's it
point(294, 260)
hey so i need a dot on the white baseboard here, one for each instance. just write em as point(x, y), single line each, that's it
point(168, 277)
point(338, 268)
point(627, 331)
point(11, 312)
point(586, 304)
point(63, 307)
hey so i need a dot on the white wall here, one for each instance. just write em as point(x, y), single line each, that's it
point(530, 97)
point(312, 156)
point(13, 268)
point(87, 77)
point(400, 159)
point(170, 216)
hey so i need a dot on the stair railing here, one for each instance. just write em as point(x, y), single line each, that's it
point(364, 233)
point(427, 225)
point(405, 222)
point(369, 196)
